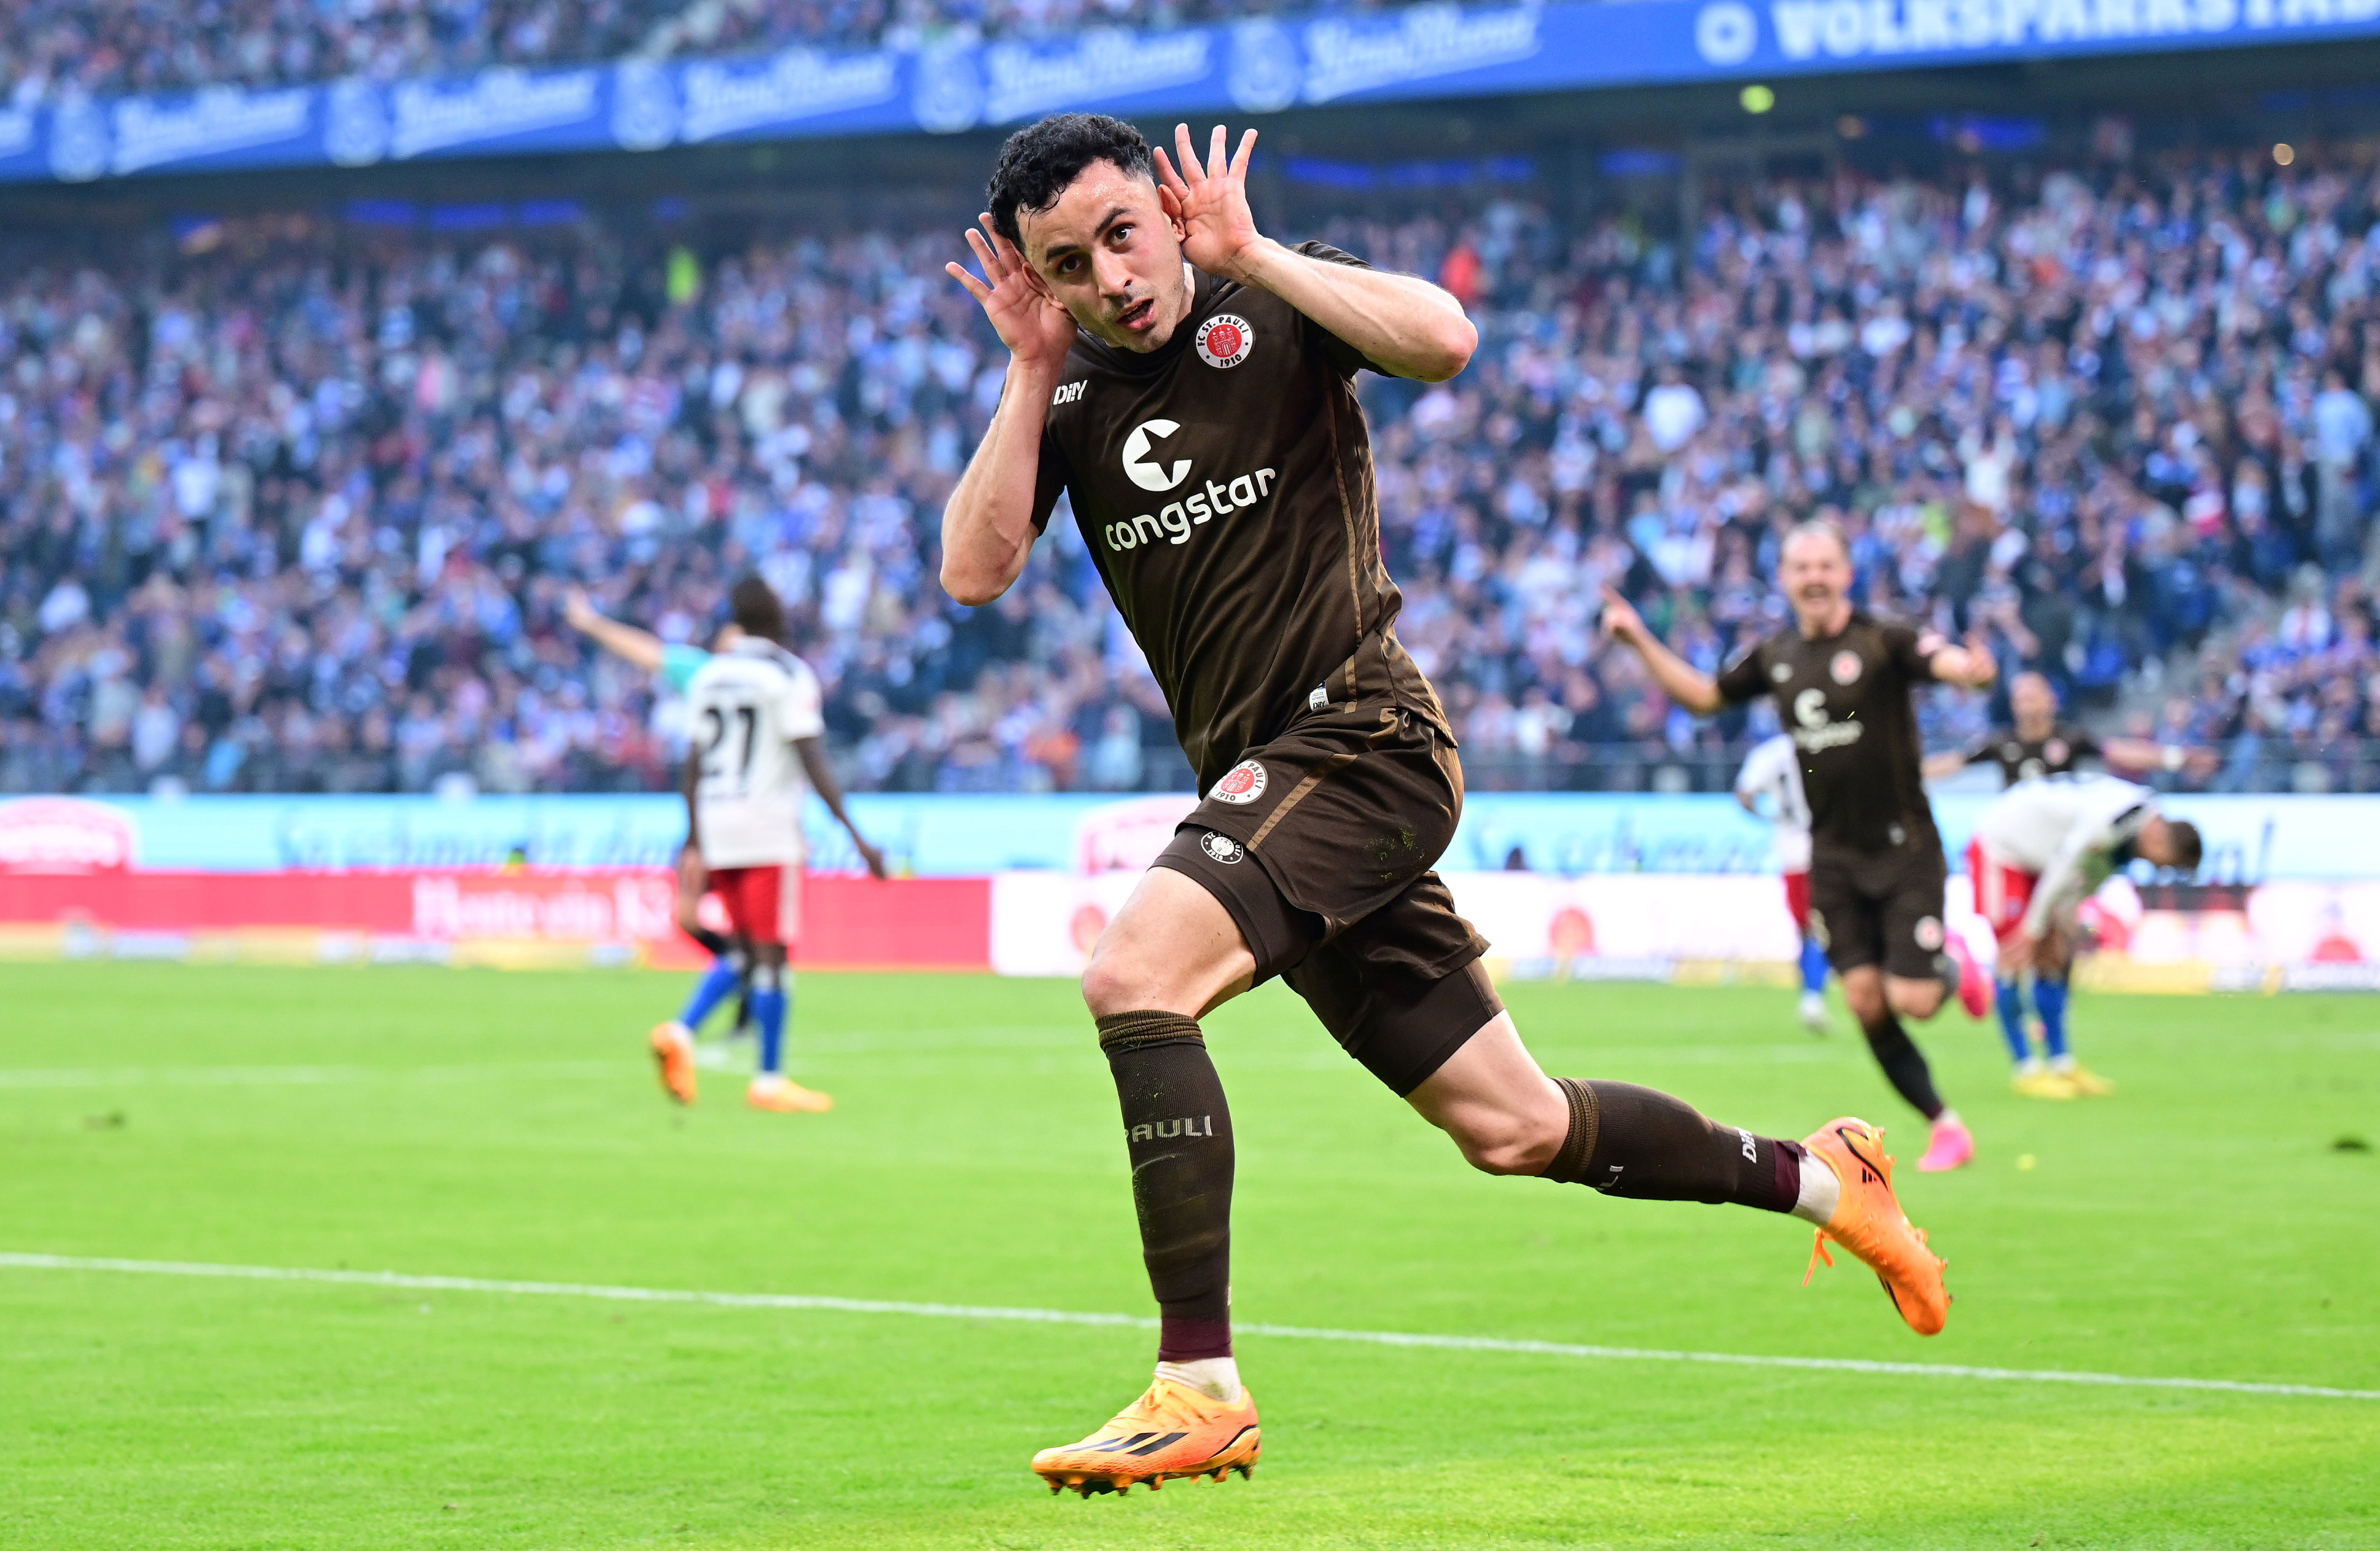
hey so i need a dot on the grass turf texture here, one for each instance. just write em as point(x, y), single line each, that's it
point(484, 1125)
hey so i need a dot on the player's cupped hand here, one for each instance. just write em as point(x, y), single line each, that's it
point(1620, 620)
point(1023, 312)
point(1218, 230)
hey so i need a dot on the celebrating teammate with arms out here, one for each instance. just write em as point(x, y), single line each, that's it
point(1878, 880)
point(1188, 383)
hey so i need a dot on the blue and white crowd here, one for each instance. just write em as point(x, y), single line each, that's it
point(60, 49)
point(299, 512)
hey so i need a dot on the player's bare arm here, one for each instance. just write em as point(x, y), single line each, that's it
point(688, 781)
point(641, 648)
point(1402, 323)
point(1940, 766)
point(1679, 679)
point(830, 791)
point(988, 523)
point(1970, 666)
point(2139, 757)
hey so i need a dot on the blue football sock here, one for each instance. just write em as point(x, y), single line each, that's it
point(1814, 965)
point(710, 991)
point(2009, 995)
point(769, 1012)
point(2049, 1000)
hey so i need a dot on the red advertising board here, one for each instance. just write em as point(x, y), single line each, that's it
point(848, 922)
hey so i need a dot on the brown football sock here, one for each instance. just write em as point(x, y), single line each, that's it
point(1644, 1144)
point(1178, 1130)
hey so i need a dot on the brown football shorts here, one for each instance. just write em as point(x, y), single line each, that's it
point(1320, 843)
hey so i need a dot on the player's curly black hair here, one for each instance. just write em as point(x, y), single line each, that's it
point(1040, 159)
point(752, 603)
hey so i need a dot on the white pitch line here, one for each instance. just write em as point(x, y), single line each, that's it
point(30, 1262)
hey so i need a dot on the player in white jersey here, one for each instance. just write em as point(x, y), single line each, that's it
point(757, 749)
point(2041, 849)
point(1772, 776)
point(674, 663)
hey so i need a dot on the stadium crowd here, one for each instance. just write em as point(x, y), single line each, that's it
point(106, 47)
point(302, 513)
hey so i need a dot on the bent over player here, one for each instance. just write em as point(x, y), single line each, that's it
point(1773, 771)
point(1878, 880)
point(2040, 850)
point(758, 732)
point(1187, 383)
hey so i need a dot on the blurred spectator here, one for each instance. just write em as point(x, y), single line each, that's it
point(299, 514)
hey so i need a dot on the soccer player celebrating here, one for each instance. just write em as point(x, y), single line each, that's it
point(758, 732)
point(2039, 743)
point(1878, 880)
point(1772, 772)
point(1188, 383)
point(674, 662)
point(2041, 849)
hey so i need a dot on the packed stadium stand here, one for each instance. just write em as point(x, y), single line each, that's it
point(101, 47)
point(294, 506)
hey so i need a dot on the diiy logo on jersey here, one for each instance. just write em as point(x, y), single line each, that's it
point(1144, 466)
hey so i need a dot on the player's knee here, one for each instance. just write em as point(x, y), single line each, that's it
point(1500, 1143)
point(1115, 981)
point(1865, 998)
point(1914, 999)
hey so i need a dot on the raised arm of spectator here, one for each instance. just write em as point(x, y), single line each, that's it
point(988, 524)
point(830, 791)
point(640, 647)
point(1403, 324)
point(1679, 679)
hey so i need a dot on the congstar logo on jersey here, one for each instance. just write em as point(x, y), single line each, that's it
point(1817, 730)
point(1145, 466)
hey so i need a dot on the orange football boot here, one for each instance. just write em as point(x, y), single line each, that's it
point(1868, 1221)
point(674, 1049)
point(786, 1097)
point(1170, 1432)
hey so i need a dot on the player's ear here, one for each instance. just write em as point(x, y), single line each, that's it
point(1172, 205)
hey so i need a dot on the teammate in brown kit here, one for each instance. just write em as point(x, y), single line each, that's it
point(1843, 681)
point(1188, 383)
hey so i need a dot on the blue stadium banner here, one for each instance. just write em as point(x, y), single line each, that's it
point(1255, 67)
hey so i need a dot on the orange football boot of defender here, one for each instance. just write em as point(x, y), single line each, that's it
point(674, 1049)
point(786, 1097)
point(1170, 1432)
point(1868, 1221)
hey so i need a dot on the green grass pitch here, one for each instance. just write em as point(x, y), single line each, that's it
point(2202, 1223)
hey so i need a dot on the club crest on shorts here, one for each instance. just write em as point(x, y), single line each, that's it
point(1244, 782)
point(1226, 340)
point(1845, 667)
point(1223, 848)
point(1928, 932)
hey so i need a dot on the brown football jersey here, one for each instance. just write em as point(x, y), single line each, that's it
point(1845, 702)
point(1224, 485)
point(2021, 758)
